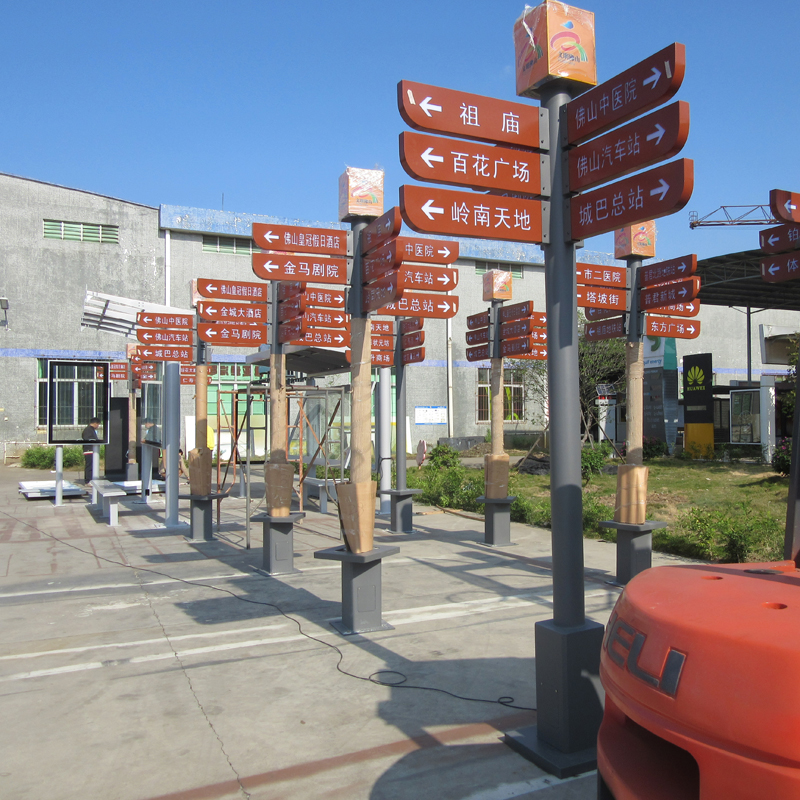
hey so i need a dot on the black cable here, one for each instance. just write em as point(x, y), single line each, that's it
point(505, 700)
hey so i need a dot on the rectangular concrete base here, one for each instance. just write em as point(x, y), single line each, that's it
point(527, 743)
point(497, 520)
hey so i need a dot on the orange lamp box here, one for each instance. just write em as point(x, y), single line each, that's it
point(360, 193)
point(636, 240)
point(554, 40)
point(496, 285)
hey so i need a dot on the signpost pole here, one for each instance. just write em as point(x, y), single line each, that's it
point(60, 474)
point(563, 741)
point(634, 369)
point(172, 438)
point(132, 473)
point(385, 437)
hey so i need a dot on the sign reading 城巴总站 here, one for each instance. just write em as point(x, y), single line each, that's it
point(417, 304)
point(648, 195)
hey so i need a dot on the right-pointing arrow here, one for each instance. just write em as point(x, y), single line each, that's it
point(654, 76)
point(657, 134)
point(662, 189)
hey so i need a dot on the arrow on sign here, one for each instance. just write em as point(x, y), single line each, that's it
point(270, 236)
point(662, 189)
point(428, 157)
point(657, 135)
point(270, 267)
point(429, 209)
point(655, 74)
point(445, 279)
point(773, 269)
point(445, 306)
point(209, 332)
point(444, 252)
point(773, 240)
point(147, 319)
point(211, 288)
point(426, 104)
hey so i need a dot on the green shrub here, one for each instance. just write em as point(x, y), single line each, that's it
point(593, 460)
point(782, 456)
point(42, 457)
point(451, 487)
point(654, 448)
point(443, 457)
point(593, 512)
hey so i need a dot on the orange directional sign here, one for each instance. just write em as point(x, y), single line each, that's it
point(322, 338)
point(164, 336)
point(597, 297)
point(777, 269)
point(611, 328)
point(537, 354)
point(305, 269)
point(523, 327)
point(669, 293)
point(673, 328)
point(118, 371)
point(239, 313)
point(382, 342)
point(482, 216)
point(383, 291)
point(382, 327)
point(487, 119)
point(429, 279)
point(144, 370)
point(411, 340)
point(406, 249)
point(294, 239)
point(480, 353)
point(414, 356)
point(780, 239)
point(600, 313)
point(785, 205)
point(648, 195)
point(475, 321)
point(417, 304)
point(644, 86)
point(516, 311)
point(158, 320)
point(164, 353)
point(381, 230)
point(379, 358)
point(289, 309)
point(473, 164)
point(323, 318)
point(327, 298)
point(233, 290)
point(479, 336)
point(639, 144)
point(691, 309)
point(525, 345)
point(410, 325)
point(664, 271)
point(598, 275)
point(233, 335)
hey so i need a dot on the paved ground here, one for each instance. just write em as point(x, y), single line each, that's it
point(137, 665)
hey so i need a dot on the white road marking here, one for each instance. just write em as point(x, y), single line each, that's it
point(508, 791)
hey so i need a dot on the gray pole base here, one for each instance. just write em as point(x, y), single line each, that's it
point(201, 518)
point(361, 588)
point(634, 547)
point(402, 513)
point(279, 543)
point(569, 705)
point(497, 530)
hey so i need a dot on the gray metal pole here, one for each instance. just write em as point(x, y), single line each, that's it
point(147, 471)
point(564, 739)
point(95, 472)
point(399, 410)
point(563, 381)
point(172, 439)
point(249, 447)
point(59, 475)
point(385, 437)
point(749, 346)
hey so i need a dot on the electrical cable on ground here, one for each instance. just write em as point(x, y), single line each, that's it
point(374, 677)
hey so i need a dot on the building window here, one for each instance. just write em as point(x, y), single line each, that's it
point(81, 232)
point(79, 395)
point(229, 245)
point(482, 267)
point(514, 401)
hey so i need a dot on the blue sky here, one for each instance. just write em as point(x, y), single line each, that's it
point(267, 102)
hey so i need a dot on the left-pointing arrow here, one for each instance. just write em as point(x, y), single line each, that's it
point(429, 157)
point(429, 209)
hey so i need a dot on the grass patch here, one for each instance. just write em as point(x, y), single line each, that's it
point(717, 511)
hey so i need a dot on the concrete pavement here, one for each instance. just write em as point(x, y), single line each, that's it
point(139, 666)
